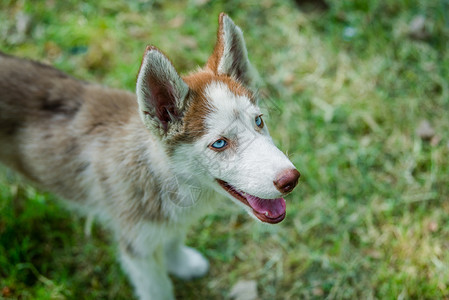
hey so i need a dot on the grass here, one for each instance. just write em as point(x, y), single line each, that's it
point(348, 88)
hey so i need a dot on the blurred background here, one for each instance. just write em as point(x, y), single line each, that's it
point(357, 94)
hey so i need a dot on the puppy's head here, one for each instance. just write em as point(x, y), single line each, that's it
point(212, 127)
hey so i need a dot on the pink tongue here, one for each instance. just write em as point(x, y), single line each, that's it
point(274, 207)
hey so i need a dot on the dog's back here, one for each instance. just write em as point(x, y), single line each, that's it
point(47, 120)
point(31, 96)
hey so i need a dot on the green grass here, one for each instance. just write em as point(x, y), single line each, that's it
point(370, 218)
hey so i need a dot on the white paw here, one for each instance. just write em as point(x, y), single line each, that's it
point(187, 263)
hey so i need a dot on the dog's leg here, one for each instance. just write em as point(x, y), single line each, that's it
point(182, 261)
point(147, 272)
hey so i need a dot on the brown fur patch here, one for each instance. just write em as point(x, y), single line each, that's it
point(214, 59)
point(199, 107)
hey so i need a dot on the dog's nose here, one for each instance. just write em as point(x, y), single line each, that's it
point(287, 180)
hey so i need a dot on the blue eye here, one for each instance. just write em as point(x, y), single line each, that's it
point(259, 121)
point(219, 144)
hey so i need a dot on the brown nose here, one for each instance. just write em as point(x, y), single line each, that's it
point(287, 180)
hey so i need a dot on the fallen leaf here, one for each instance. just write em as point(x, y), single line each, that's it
point(289, 79)
point(417, 28)
point(432, 226)
point(189, 42)
point(138, 32)
point(6, 292)
point(317, 291)
point(244, 290)
point(177, 21)
point(18, 30)
point(52, 50)
point(201, 2)
point(425, 130)
point(436, 139)
point(349, 33)
point(23, 22)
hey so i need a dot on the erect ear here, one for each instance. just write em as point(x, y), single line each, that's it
point(230, 56)
point(161, 92)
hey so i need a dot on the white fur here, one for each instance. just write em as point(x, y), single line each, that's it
point(186, 262)
point(158, 249)
point(252, 167)
point(148, 275)
point(257, 161)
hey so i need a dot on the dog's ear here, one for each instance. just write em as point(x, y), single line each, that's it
point(230, 56)
point(161, 92)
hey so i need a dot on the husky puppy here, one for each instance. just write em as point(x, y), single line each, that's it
point(146, 163)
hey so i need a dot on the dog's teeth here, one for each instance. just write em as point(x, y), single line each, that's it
point(266, 214)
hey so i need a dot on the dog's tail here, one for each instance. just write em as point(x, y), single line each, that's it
point(31, 92)
point(32, 95)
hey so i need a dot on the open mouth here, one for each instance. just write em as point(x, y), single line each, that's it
point(267, 210)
